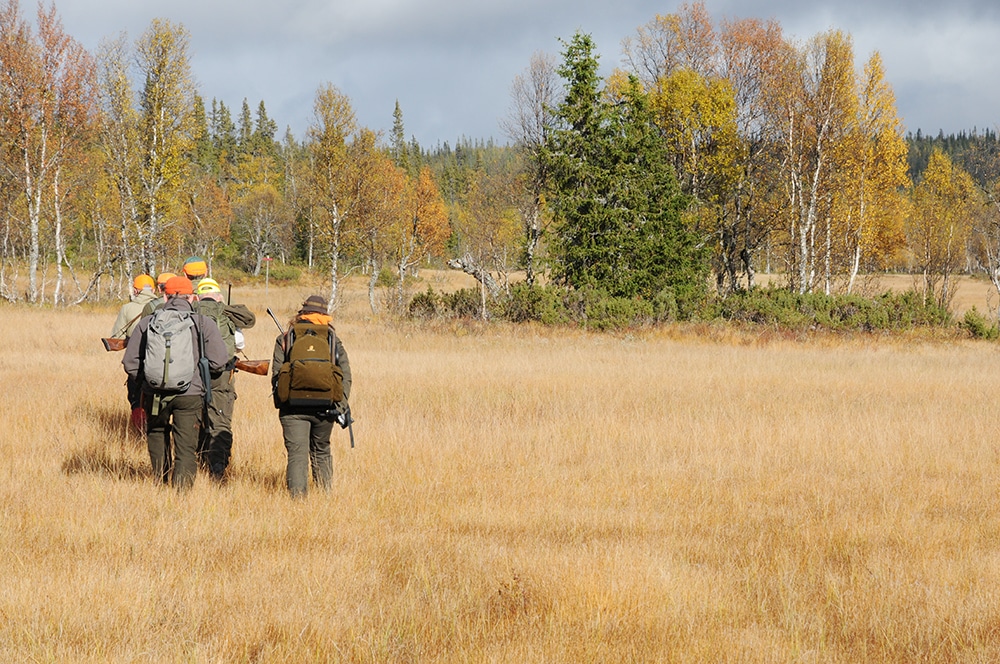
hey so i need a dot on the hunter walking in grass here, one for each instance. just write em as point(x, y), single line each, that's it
point(311, 383)
point(195, 269)
point(128, 318)
point(216, 439)
point(161, 285)
point(166, 354)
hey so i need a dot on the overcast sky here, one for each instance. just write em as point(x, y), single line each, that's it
point(450, 63)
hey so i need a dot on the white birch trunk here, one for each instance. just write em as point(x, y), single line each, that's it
point(828, 258)
point(337, 221)
point(855, 266)
point(57, 294)
point(372, 281)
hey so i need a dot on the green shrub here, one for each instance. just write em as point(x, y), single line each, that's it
point(593, 308)
point(387, 278)
point(665, 307)
point(543, 304)
point(283, 273)
point(770, 306)
point(978, 326)
point(616, 313)
point(424, 305)
point(524, 304)
point(464, 303)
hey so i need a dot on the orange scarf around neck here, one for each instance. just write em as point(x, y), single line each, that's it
point(315, 319)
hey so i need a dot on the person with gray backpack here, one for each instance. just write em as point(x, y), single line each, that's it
point(172, 353)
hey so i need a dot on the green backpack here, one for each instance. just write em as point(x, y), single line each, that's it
point(310, 377)
point(217, 312)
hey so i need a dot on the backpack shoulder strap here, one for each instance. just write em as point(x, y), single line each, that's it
point(288, 338)
point(332, 338)
point(197, 331)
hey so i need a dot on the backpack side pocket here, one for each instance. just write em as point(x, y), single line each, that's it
point(282, 388)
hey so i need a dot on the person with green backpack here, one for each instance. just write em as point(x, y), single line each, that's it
point(216, 439)
point(172, 353)
point(311, 384)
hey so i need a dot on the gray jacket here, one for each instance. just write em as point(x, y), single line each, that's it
point(215, 348)
point(130, 313)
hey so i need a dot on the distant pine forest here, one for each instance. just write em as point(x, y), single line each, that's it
point(976, 151)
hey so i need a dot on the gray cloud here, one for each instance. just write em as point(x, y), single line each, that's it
point(450, 62)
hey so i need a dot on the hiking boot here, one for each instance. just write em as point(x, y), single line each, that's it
point(218, 474)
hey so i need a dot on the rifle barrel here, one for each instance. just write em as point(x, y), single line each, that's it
point(275, 319)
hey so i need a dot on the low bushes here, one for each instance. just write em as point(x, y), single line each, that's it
point(783, 308)
point(593, 308)
point(588, 308)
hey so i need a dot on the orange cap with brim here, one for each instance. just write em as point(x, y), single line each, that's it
point(143, 281)
point(195, 268)
point(178, 286)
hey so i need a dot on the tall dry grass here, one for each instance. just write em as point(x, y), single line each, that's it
point(516, 494)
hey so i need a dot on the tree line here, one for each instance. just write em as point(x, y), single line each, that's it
point(716, 151)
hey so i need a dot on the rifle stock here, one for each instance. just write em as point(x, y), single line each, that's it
point(258, 367)
point(111, 344)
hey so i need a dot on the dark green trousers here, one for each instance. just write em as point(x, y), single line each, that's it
point(172, 438)
point(216, 442)
point(307, 440)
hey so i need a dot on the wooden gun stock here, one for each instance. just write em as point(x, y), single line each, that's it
point(258, 367)
point(113, 344)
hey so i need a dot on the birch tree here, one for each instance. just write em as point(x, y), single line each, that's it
point(986, 234)
point(487, 228)
point(208, 216)
point(119, 141)
point(709, 88)
point(873, 177)
point(332, 126)
point(534, 97)
point(166, 132)
point(682, 40)
point(378, 198)
point(818, 101)
point(422, 229)
point(749, 57)
point(939, 225)
point(46, 83)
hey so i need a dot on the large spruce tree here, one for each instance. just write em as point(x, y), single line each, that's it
point(619, 210)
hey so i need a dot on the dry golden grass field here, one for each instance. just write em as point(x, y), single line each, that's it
point(516, 495)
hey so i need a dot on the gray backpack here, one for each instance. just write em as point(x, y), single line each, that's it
point(169, 362)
